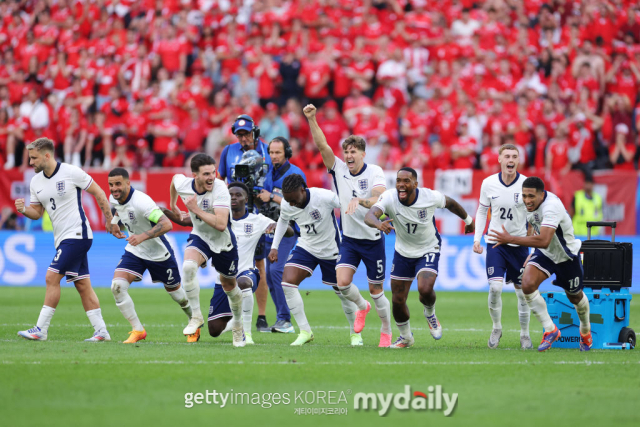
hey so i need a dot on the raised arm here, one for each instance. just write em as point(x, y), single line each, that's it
point(328, 158)
point(454, 207)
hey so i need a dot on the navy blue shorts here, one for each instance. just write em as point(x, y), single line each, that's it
point(507, 260)
point(303, 260)
point(404, 268)
point(225, 263)
point(163, 271)
point(71, 259)
point(569, 274)
point(370, 252)
point(253, 274)
point(219, 305)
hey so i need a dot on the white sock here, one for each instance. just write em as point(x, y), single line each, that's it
point(349, 308)
point(235, 302)
point(296, 306)
point(383, 308)
point(405, 329)
point(44, 320)
point(95, 317)
point(539, 308)
point(429, 310)
point(524, 313)
point(191, 286)
point(180, 296)
point(352, 293)
point(583, 313)
point(495, 303)
point(120, 290)
point(247, 309)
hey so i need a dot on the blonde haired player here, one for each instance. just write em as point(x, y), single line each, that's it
point(57, 188)
point(502, 194)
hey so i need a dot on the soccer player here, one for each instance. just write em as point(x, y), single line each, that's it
point(557, 251)
point(502, 193)
point(359, 186)
point(248, 228)
point(410, 212)
point(312, 209)
point(147, 249)
point(208, 202)
point(57, 188)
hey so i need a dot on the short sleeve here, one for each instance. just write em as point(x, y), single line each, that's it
point(439, 200)
point(265, 222)
point(179, 182)
point(33, 199)
point(484, 197)
point(552, 215)
point(145, 205)
point(378, 180)
point(384, 201)
point(338, 165)
point(332, 199)
point(80, 178)
point(285, 211)
point(222, 197)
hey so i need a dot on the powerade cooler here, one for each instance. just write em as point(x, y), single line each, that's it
point(607, 279)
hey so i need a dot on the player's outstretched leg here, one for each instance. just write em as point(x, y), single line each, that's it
point(581, 303)
point(192, 290)
point(51, 299)
point(524, 315)
point(426, 281)
point(351, 292)
point(383, 308)
point(120, 290)
point(531, 280)
point(400, 291)
point(349, 309)
point(91, 305)
point(495, 310)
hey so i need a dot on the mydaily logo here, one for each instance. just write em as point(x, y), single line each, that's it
point(433, 400)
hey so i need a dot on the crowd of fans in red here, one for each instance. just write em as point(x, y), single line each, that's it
point(431, 84)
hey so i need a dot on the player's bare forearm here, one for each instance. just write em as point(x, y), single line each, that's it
point(162, 227)
point(375, 195)
point(32, 212)
point(372, 218)
point(95, 190)
point(173, 195)
point(455, 208)
point(537, 241)
point(216, 220)
point(171, 215)
point(328, 158)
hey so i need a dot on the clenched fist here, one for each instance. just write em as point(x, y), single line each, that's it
point(309, 111)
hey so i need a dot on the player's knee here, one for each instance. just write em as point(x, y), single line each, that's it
point(244, 283)
point(119, 288)
point(398, 299)
point(495, 287)
point(190, 269)
point(216, 328)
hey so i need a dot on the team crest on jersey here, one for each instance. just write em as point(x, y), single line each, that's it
point(363, 184)
point(516, 197)
point(422, 214)
point(248, 228)
point(536, 218)
point(205, 204)
point(60, 187)
point(490, 271)
point(315, 214)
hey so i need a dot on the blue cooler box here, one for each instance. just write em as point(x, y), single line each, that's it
point(609, 313)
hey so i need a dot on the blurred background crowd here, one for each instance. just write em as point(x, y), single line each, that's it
point(431, 84)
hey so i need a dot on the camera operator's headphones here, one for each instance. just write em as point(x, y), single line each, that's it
point(288, 152)
point(240, 121)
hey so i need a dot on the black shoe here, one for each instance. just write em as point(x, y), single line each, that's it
point(262, 325)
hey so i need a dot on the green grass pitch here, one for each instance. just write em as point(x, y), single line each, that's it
point(66, 382)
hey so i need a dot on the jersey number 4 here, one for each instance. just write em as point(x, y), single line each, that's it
point(506, 214)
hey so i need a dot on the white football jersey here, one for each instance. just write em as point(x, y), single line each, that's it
point(551, 213)
point(218, 241)
point(505, 202)
point(349, 186)
point(415, 225)
point(61, 196)
point(319, 234)
point(134, 214)
point(248, 231)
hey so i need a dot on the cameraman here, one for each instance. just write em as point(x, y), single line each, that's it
point(245, 129)
point(271, 196)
